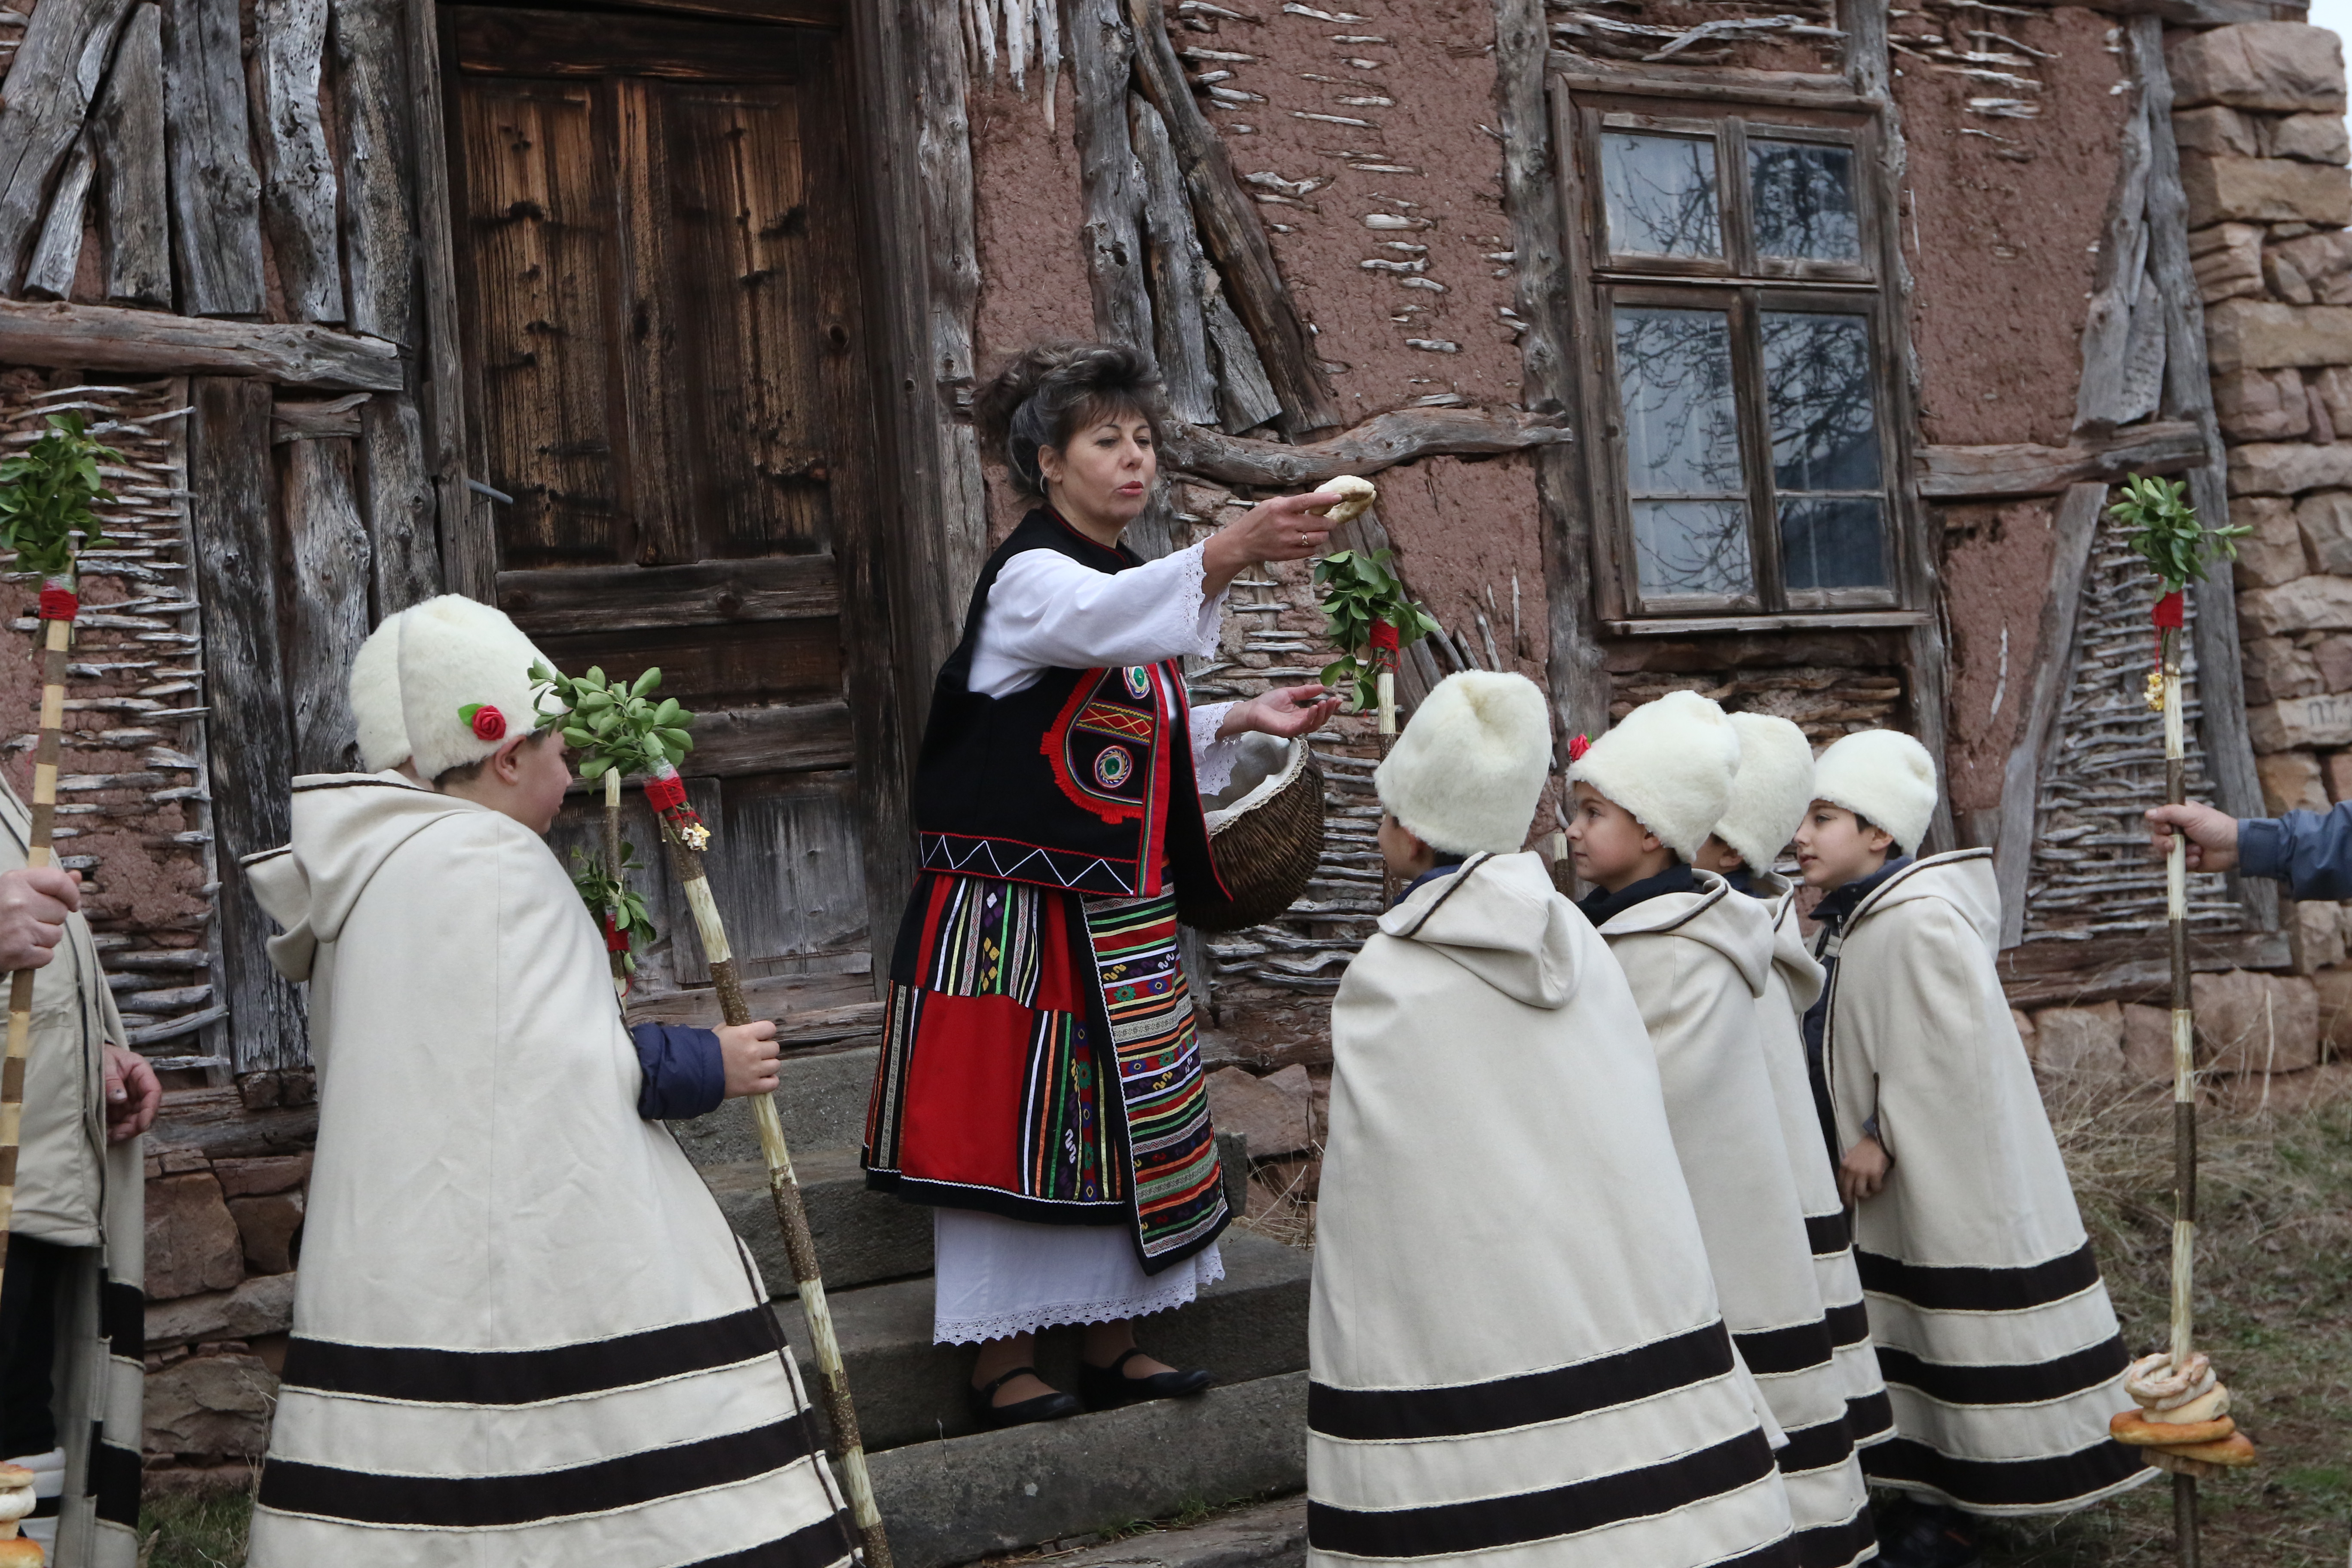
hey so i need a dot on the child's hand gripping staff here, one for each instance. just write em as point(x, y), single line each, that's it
point(631, 733)
point(45, 496)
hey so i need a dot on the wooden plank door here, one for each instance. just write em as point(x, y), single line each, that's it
point(658, 262)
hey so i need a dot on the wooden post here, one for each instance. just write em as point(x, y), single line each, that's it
point(685, 837)
point(617, 957)
point(1384, 653)
point(2184, 1054)
point(58, 617)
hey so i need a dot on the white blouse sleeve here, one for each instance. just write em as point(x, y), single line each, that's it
point(1213, 759)
point(1047, 611)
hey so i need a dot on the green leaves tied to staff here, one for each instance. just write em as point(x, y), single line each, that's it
point(2167, 532)
point(608, 897)
point(47, 493)
point(1358, 590)
point(614, 724)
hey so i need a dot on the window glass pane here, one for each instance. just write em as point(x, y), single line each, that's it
point(1684, 472)
point(1661, 195)
point(1832, 541)
point(1804, 197)
point(1691, 547)
point(1817, 393)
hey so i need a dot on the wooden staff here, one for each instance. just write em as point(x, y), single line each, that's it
point(2184, 1046)
point(616, 949)
point(58, 609)
point(686, 838)
point(1384, 656)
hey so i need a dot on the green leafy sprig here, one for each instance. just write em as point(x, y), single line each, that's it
point(615, 723)
point(608, 897)
point(1359, 589)
point(47, 493)
point(2167, 532)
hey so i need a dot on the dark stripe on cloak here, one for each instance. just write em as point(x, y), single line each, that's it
point(116, 1475)
point(1837, 1545)
point(818, 1545)
point(1815, 1448)
point(1446, 1528)
point(2034, 1383)
point(1791, 1349)
point(1827, 1234)
point(464, 1502)
point(2004, 1483)
point(123, 1319)
point(1871, 1418)
point(1390, 1414)
point(1971, 1289)
point(416, 1375)
point(1849, 1324)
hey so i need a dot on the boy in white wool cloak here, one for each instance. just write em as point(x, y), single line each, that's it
point(523, 1333)
point(1699, 958)
point(1998, 1342)
point(1550, 1386)
point(1768, 801)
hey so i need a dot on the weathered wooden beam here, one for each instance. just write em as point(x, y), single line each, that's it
point(316, 418)
point(2119, 968)
point(216, 194)
point(1713, 84)
point(404, 547)
point(590, 599)
point(104, 337)
point(329, 619)
point(771, 739)
point(229, 512)
point(2054, 666)
point(2109, 395)
point(1102, 51)
point(468, 535)
point(1176, 268)
point(1245, 397)
point(1577, 681)
point(370, 93)
point(2189, 396)
point(298, 176)
point(1232, 233)
point(1399, 435)
point(57, 253)
point(126, 131)
point(50, 81)
point(2021, 469)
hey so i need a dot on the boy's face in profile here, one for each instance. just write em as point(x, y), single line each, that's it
point(524, 779)
point(1834, 846)
point(1404, 855)
point(1608, 845)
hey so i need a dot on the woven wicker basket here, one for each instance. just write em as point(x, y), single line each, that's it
point(1265, 830)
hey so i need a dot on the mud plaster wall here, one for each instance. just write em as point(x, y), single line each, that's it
point(1463, 529)
point(1994, 556)
point(2000, 235)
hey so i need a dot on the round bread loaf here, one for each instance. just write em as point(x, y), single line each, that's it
point(2234, 1452)
point(18, 1552)
point(1355, 496)
point(2134, 1427)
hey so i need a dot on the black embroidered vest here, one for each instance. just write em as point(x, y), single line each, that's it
point(1082, 781)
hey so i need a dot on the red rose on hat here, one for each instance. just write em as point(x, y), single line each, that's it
point(489, 723)
point(1577, 747)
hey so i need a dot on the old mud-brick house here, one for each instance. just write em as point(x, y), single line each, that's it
point(1785, 351)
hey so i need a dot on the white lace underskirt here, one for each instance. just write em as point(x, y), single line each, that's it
point(997, 1277)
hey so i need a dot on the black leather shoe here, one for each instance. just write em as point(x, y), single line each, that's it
point(1048, 1406)
point(1107, 1387)
point(1929, 1535)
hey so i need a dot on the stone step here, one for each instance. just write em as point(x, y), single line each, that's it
point(1266, 1535)
point(821, 1098)
point(1251, 1324)
point(861, 1236)
point(952, 1501)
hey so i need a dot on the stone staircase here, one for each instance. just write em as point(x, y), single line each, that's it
point(950, 1493)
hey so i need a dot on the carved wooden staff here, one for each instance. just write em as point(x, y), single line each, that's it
point(686, 838)
point(58, 606)
point(616, 942)
point(1384, 657)
point(2168, 620)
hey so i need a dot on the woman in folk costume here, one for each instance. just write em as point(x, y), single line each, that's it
point(523, 1333)
point(1040, 1083)
point(1998, 1343)
point(1699, 957)
point(1550, 1386)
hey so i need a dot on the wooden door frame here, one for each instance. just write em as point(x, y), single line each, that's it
point(908, 566)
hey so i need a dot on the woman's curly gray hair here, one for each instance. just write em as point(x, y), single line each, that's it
point(1050, 390)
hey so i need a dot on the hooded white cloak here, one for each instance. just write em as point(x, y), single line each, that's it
point(1699, 963)
point(1515, 1345)
point(1995, 1335)
point(524, 1334)
point(1790, 988)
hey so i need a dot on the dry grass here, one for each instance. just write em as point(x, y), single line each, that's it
point(2273, 1308)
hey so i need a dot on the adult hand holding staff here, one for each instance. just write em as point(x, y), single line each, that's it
point(620, 729)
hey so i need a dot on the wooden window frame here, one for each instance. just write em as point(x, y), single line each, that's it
point(1743, 287)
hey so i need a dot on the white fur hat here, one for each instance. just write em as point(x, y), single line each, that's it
point(1671, 763)
point(1466, 774)
point(376, 698)
point(457, 655)
point(1774, 786)
point(1883, 775)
